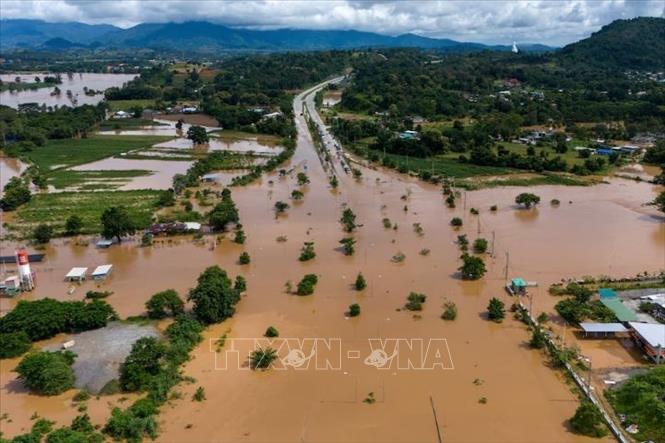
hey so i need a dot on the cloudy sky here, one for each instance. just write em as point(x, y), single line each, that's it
point(554, 22)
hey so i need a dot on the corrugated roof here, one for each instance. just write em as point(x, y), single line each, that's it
point(603, 327)
point(622, 312)
point(652, 333)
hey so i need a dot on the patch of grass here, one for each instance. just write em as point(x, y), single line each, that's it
point(60, 154)
point(125, 105)
point(54, 209)
point(66, 178)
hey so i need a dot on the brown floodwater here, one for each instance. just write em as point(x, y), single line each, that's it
point(98, 82)
point(163, 128)
point(223, 144)
point(603, 229)
point(10, 167)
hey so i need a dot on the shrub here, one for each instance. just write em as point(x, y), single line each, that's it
point(354, 310)
point(348, 220)
point(165, 303)
point(307, 252)
point(73, 225)
point(97, 295)
point(348, 245)
point(386, 223)
point(297, 194)
point(240, 237)
point(13, 344)
point(360, 283)
point(415, 301)
point(480, 246)
point(538, 338)
point(456, 222)
point(47, 373)
point(302, 179)
point(281, 207)
point(555, 202)
point(262, 358)
point(463, 242)
point(449, 311)
point(271, 332)
point(42, 233)
point(132, 424)
point(307, 284)
point(142, 364)
point(244, 258)
point(240, 284)
point(199, 395)
point(588, 420)
point(494, 208)
point(496, 310)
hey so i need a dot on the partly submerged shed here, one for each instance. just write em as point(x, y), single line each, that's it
point(602, 329)
point(651, 336)
point(76, 274)
point(101, 272)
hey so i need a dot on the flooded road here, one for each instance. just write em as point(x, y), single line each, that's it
point(75, 84)
point(595, 230)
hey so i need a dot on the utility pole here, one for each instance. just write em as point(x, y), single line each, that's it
point(507, 261)
point(492, 253)
point(478, 225)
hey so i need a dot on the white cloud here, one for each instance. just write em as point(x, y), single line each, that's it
point(543, 21)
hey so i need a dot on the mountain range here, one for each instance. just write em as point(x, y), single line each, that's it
point(206, 37)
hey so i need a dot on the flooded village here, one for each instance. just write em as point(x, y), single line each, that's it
point(402, 337)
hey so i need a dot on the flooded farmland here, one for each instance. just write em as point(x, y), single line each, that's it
point(10, 167)
point(605, 229)
point(76, 83)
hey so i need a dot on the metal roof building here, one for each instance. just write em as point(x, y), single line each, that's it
point(619, 309)
point(652, 337)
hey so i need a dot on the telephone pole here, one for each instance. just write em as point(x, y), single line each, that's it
point(507, 261)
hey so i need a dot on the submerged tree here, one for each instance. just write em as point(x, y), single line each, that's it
point(262, 358)
point(473, 268)
point(588, 420)
point(307, 251)
point(348, 220)
point(214, 296)
point(116, 223)
point(496, 310)
point(198, 135)
point(527, 199)
point(348, 245)
point(360, 283)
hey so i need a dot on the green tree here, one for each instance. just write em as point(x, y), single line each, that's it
point(262, 358)
point(16, 193)
point(480, 246)
point(527, 199)
point(449, 311)
point(224, 212)
point(360, 283)
point(214, 297)
point(302, 179)
point(73, 225)
point(496, 310)
point(197, 135)
point(239, 237)
point(348, 220)
point(348, 245)
point(307, 284)
point(240, 284)
point(538, 338)
point(660, 202)
point(143, 364)
point(473, 268)
point(334, 182)
point(588, 420)
point(414, 302)
point(42, 233)
point(199, 395)
point(297, 194)
point(244, 258)
point(281, 207)
point(13, 344)
point(116, 223)
point(354, 310)
point(456, 222)
point(271, 332)
point(47, 373)
point(165, 303)
point(307, 252)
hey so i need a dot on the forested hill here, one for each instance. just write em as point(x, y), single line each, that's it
point(638, 44)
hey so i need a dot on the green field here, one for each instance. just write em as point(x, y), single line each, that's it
point(54, 209)
point(127, 123)
point(58, 154)
point(569, 156)
point(65, 178)
point(125, 105)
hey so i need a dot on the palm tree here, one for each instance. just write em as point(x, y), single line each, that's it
point(262, 358)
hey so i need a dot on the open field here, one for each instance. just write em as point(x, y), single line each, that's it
point(65, 178)
point(125, 105)
point(54, 209)
point(58, 154)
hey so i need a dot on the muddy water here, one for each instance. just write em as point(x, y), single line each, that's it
point(605, 230)
point(164, 128)
point(98, 82)
point(220, 144)
point(10, 167)
point(161, 176)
